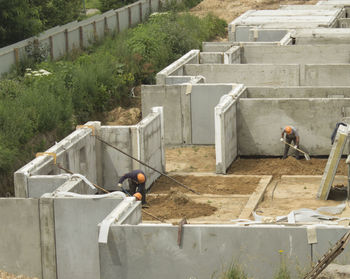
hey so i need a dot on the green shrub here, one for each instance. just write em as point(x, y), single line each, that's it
point(107, 5)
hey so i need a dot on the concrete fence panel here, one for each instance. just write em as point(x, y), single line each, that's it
point(20, 250)
point(123, 14)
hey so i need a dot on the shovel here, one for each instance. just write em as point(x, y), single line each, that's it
point(307, 157)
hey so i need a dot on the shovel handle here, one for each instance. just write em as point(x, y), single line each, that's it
point(295, 147)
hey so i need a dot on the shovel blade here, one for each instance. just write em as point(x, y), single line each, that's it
point(307, 157)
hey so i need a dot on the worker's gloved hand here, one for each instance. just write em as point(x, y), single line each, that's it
point(120, 185)
point(295, 146)
point(281, 139)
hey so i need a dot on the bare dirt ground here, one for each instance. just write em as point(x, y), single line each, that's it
point(6, 275)
point(291, 178)
point(230, 9)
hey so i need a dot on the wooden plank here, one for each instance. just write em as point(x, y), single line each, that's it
point(255, 198)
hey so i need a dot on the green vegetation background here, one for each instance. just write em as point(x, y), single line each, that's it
point(88, 82)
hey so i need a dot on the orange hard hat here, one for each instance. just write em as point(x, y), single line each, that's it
point(141, 177)
point(138, 196)
point(288, 130)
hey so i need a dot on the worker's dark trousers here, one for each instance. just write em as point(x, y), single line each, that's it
point(290, 139)
point(140, 188)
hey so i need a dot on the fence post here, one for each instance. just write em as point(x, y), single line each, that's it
point(150, 6)
point(66, 37)
point(51, 48)
point(140, 5)
point(15, 51)
point(129, 12)
point(81, 38)
point(117, 17)
point(95, 31)
point(106, 29)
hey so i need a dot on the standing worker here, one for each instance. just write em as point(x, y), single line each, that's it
point(291, 136)
point(137, 179)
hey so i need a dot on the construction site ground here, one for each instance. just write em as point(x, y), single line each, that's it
point(273, 185)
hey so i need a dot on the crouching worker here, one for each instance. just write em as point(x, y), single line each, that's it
point(291, 136)
point(137, 179)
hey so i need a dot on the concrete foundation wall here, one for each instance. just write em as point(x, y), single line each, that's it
point(76, 152)
point(176, 107)
point(115, 164)
point(298, 92)
point(273, 75)
point(315, 120)
point(128, 252)
point(176, 68)
point(20, 250)
point(204, 98)
point(249, 75)
point(41, 184)
point(151, 140)
point(225, 132)
point(76, 235)
point(322, 36)
point(296, 54)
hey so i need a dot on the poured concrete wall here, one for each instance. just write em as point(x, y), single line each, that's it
point(260, 123)
point(20, 250)
point(296, 54)
point(146, 251)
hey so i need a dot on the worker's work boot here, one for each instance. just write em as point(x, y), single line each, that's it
point(145, 205)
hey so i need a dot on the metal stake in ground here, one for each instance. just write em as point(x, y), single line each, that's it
point(148, 166)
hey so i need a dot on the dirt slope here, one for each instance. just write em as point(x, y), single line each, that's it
point(230, 9)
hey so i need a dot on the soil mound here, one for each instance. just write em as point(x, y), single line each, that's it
point(121, 116)
point(176, 205)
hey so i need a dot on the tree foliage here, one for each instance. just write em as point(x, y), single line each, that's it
point(107, 5)
point(19, 20)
